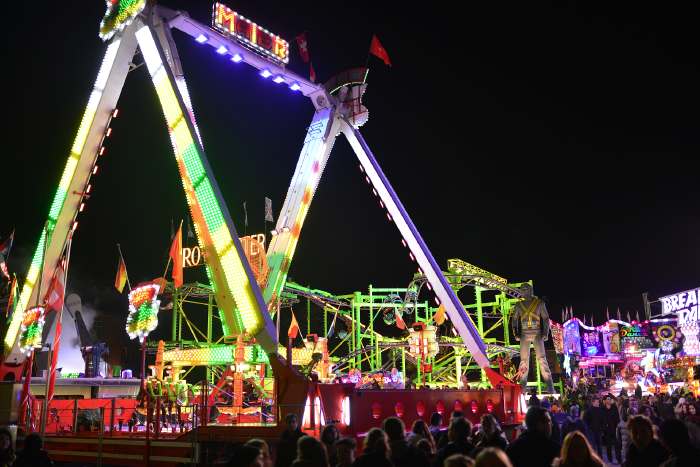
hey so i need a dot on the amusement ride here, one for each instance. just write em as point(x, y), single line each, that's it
point(347, 371)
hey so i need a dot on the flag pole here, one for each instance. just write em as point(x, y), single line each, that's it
point(121, 257)
point(55, 348)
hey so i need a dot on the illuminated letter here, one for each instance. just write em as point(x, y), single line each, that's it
point(196, 256)
point(186, 254)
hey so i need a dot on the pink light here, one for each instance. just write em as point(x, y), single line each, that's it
point(75, 225)
point(388, 216)
point(94, 170)
point(82, 207)
point(367, 178)
point(115, 113)
point(403, 242)
point(375, 192)
point(109, 132)
point(102, 150)
point(361, 168)
point(89, 187)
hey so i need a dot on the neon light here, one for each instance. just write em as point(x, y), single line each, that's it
point(31, 330)
point(278, 79)
point(201, 38)
point(229, 276)
point(62, 190)
point(221, 50)
point(143, 311)
point(345, 411)
point(294, 86)
point(251, 35)
point(265, 73)
point(120, 13)
point(237, 58)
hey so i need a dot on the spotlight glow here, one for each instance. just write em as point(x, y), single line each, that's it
point(278, 79)
point(201, 38)
point(221, 50)
point(237, 58)
point(265, 73)
point(295, 86)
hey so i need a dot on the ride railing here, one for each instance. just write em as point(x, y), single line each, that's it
point(157, 416)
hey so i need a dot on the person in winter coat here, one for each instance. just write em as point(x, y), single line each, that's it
point(623, 436)
point(594, 419)
point(534, 448)
point(611, 418)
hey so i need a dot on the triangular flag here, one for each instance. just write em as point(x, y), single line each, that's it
point(176, 256)
point(57, 290)
point(6, 246)
point(161, 282)
point(377, 49)
point(120, 279)
point(293, 328)
point(399, 320)
point(440, 316)
point(11, 298)
point(303, 47)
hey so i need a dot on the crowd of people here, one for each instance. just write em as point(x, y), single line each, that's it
point(578, 430)
point(597, 431)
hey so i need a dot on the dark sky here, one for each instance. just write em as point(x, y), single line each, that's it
point(552, 143)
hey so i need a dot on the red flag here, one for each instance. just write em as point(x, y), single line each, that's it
point(312, 73)
point(120, 280)
point(303, 47)
point(377, 49)
point(399, 320)
point(176, 256)
point(54, 356)
point(57, 290)
point(293, 328)
point(11, 298)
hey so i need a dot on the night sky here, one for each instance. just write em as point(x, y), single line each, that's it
point(552, 143)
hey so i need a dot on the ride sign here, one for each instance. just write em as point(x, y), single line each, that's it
point(683, 304)
point(250, 34)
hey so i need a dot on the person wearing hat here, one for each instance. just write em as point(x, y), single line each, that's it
point(530, 324)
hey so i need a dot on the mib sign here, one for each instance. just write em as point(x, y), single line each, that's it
point(683, 304)
point(194, 256)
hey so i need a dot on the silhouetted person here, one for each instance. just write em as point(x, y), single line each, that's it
point(33, 455)
point(402, 454)
point(376, 450)
point(246, 456)
point(674, 435)
point(577, 452)
point(458, 434)
point(287, 446)
point(534, 448)
point(644, 450)
point(310, 453)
